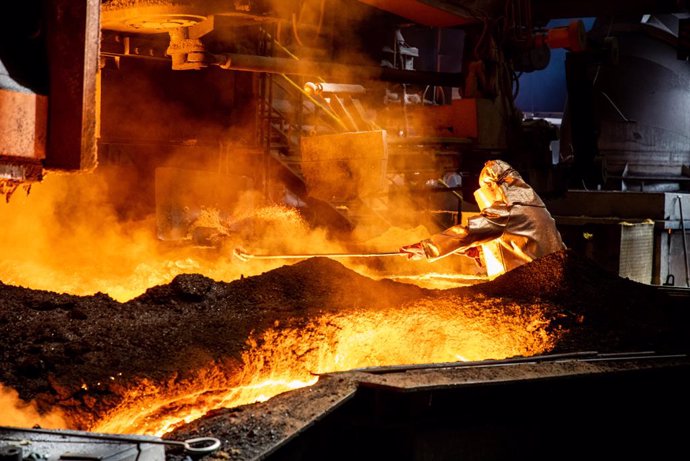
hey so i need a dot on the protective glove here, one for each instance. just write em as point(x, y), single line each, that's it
point(415, 252)
point(474, 253)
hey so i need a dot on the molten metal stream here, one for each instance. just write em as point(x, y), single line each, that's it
point(289, 358)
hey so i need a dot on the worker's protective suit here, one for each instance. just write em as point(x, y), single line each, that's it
point(514, 226)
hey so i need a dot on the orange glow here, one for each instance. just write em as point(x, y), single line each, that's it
point(494, 266)
point(455, 329)
point(18, 413)
point(435, 280)
point(66, 237)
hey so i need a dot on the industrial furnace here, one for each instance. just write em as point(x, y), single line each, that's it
point(169, 166)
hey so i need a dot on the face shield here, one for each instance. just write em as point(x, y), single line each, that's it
point(492, 175)
point(487, 194)
point(483, 197)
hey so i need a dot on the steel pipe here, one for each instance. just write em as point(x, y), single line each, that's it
point(271, 65)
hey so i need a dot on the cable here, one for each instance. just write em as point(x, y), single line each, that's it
point(608, 34)
point(626, 119)
point(475, 51)
point(516, 79)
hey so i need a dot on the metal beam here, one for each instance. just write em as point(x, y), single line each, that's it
point(430, 12)
point(73, 43)
point(550, 9)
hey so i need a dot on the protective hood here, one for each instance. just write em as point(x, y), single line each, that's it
point(514, 188)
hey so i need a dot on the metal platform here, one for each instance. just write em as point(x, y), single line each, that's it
point(570, 406)
point(591, 223)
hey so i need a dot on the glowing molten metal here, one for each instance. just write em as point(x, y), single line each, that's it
point(288, 358)
point(74, 242)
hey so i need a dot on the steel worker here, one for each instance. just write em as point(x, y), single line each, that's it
point(513, 228)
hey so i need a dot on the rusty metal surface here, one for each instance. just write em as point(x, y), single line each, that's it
point(73, 44)
point(157, 16)
point(152, 47)
point(151, 17)
point(16, 172)
point(23, 124)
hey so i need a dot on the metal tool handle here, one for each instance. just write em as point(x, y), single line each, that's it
point(189, 447)
point(244, 256)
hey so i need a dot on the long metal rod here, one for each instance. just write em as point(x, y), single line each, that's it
point(269, 127)
point(242, 255)
point(685, 245)
point(254, 63)
point(294, 57)
point(327, 110)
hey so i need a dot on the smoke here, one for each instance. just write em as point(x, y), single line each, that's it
point(67, 236)
point(18, 413)
point(101, 232)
